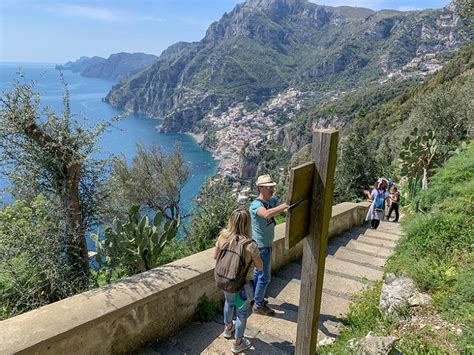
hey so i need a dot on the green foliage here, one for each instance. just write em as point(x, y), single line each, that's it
point(175, 249)
point(205, 309)
point(364, 316)
point(415, 343)
point(417, 156)
point(154, 179)
point(466, 9)
point(215, 205)
point(34, 269)
point(46, 153)
point(356, 169)
point(451, 187)
point(437, 251)
point(136, 245)
point(441, 104)
point(279, 219)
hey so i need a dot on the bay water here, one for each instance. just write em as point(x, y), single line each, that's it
point(86, 101)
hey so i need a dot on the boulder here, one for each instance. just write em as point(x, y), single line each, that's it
point(398, 294)
point(374, 345)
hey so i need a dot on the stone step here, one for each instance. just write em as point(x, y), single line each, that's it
point(392, 233)
point(354, 260)
point(359, 257)
point(381, 234)
point(196, 338)
point(366, 239)
point(290, 272)
point(375, 234)
point(355, 270)
point(376, 241)
point(378, 251)
point(283, 324)
point(337, 291)
point(391, 227)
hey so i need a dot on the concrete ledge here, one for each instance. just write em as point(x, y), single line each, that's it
point(121, 317)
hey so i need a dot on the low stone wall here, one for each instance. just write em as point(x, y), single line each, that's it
point(155, 304)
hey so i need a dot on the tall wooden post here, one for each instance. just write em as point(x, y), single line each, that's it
point(324, 153)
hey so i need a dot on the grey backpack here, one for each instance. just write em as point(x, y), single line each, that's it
point(231, 269)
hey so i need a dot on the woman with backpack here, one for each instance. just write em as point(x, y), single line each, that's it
point(235, 253)
point(379, 197)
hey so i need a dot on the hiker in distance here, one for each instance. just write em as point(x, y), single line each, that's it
point(235, 253)
point(379, 198)
point(262, 210)
point(394, 201)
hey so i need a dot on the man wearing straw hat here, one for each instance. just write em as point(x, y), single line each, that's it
point(262, 210)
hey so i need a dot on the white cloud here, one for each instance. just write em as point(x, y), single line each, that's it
point(100, 14)
point(91, 13)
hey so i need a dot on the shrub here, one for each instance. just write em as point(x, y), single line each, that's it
point(215, 204)
point(205, 309)
point(34, 268)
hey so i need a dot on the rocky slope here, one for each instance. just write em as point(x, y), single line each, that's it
point(264, 47)
point(117, 67)
point(80, 64)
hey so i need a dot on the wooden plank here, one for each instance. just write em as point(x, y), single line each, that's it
point(324, 154)
point(301, 186)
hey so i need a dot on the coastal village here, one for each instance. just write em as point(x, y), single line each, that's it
point(237, 127)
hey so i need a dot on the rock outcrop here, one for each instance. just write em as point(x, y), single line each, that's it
point(117, 67)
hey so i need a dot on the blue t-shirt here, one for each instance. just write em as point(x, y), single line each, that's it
point(263, 230)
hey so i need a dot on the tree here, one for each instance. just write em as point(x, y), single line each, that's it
point(154, 179)
point(215, 204)
point(447, 111)
point(49, 154)
point(418, 155)
point(356, 168)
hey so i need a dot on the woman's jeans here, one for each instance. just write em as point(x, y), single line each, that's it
point(261, 279)
point(242, 314)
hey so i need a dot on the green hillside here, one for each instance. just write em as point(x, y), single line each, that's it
point(262, 47)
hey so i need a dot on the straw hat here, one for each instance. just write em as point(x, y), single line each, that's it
point(265, 180)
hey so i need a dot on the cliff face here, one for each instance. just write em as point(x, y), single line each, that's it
point(263, 47)
point(80, 64)
point(117, 67)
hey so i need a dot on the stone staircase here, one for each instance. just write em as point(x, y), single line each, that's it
point(354, 260)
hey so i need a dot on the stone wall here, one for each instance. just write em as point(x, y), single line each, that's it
point(121, 317)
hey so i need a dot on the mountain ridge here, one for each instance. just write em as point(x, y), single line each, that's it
point(263, 47)
point(116, 67)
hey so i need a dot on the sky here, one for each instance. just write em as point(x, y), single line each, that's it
point(57, 31)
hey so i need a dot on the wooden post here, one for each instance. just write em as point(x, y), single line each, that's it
point(324, 153)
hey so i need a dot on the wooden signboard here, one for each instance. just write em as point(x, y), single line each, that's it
point(324, 154)
point(298, 214)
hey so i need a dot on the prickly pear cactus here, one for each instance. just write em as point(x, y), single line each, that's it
point(136, 244)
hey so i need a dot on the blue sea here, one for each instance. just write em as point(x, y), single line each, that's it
point(86, 96)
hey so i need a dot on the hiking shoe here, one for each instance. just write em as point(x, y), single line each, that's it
point(244, 345)
point(265, 302)
point(228, 332)
point(264, 311)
